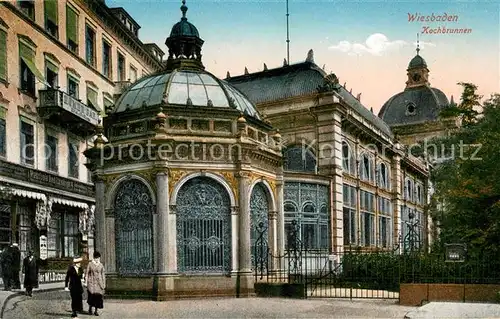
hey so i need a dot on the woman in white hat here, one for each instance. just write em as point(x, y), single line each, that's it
point(73, 284)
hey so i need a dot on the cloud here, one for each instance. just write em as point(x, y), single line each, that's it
point(375, 44)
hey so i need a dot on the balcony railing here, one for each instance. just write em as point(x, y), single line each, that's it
point(54, 100)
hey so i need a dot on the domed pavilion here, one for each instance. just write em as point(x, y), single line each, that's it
point(186, 171)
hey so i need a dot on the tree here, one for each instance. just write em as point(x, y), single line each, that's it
point(470, 101)
point(469, 182)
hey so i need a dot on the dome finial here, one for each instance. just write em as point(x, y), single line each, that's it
point(184, 9)
point(418, 44)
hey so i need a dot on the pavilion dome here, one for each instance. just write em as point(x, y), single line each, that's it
point(184, 88)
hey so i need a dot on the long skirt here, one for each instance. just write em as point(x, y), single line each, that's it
point(95, 300)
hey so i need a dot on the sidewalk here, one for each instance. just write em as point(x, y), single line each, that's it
point(6, 295)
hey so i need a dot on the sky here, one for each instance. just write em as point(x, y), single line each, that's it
point(367, 44)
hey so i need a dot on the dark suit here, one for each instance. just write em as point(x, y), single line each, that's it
point(6, 269)
point(15, 255)
point(74, 283)
point(30, 269)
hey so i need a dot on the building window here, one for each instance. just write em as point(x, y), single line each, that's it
point(299, 159)
point(51, 17)
point(28, 8)
point(310, 214)
point(383, 176)
point(420, 197)
point(73, 87)
point(73, 162)
point(121, 67)
point(367, 218)
point(133, 74)
point(106, 59)
point(92, 98)
point(3, 135)
point(3, 55)
point(27, 79)
point(409, 190)
point(27, 144)
point(90, 45)
point(26, 231)
point(348, 160)
point(366, 168)
point(5, 224)
point(350, 215)
point(385, 222)
point(72, 29)
point(51, 153)
point(63, 234)
point(107, 102)
point(51, 74)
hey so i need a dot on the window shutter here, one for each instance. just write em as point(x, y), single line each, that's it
point(27, 54)
point(92, 98)
point(51, 10)
point(71, 25)
point(3, 55)
point(52, 67)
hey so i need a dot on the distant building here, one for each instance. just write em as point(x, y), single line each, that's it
point(414, 114)
point(61, 64)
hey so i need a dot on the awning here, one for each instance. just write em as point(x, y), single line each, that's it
point(28, 56)
point(68, 202)
point(28, 194)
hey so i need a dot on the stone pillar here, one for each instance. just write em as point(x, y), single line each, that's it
point(244, 277)
point(272, 240)
point(100, 238)
point(161, 235)
point(397, 199)
point(280, 226)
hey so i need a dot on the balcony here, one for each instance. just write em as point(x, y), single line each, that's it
point(65, 111)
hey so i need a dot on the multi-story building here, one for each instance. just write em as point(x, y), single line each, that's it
point(61, 65)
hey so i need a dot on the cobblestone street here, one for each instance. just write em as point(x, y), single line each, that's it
point(55, 305)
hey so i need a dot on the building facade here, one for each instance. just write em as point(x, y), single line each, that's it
point(190, 169)
point(61, 65)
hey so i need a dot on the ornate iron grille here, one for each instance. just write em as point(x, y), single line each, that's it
point(203, 227)
point(259, 210)
point(134, 228)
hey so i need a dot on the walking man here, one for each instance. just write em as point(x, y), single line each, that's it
point(30, 269)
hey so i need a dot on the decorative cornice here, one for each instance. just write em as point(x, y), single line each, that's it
point(51, 57)
point(27, 40)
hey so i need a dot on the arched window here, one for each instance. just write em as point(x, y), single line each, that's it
point(348, 160)
point(299, 159)
point(366, 168)
point(383, 176)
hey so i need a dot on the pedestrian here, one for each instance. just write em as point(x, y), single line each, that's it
point(96, 283)
point(6, 269)
point(73, 284)
point(15, 255)
point(30, 269)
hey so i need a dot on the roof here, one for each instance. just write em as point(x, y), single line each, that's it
point(296, 80)
point(427, 103)
point(417, 62)
point(183, 88)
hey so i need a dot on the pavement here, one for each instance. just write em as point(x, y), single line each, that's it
point(5, 296)
point(455, 310)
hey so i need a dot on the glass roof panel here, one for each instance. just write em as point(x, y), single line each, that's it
point(128, 98)
point(198, 95)
point(216, 94)
point(207, 79)
point(193, 78)
point(177, 94)
point(145, 82)
point(179, 77)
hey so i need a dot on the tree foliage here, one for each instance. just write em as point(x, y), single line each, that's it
point(468, 184)
point(469, 103)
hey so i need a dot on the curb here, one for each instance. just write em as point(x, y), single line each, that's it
point(18, 294)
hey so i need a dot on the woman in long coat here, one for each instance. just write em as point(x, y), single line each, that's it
point(30, 269)
point(96, 283)
point(73, 284)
